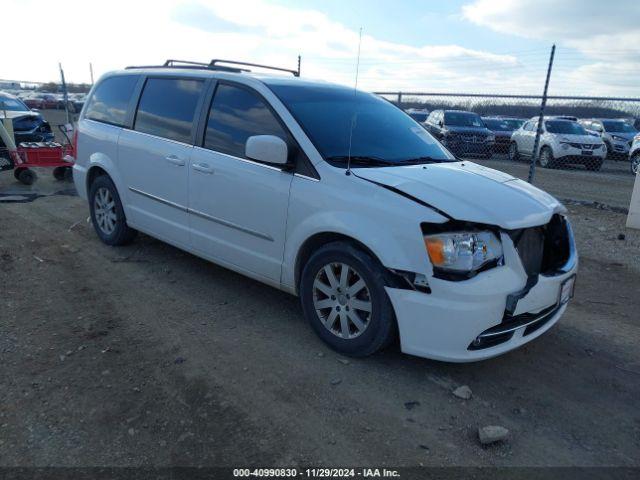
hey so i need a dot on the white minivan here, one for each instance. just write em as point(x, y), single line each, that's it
point(330, 194)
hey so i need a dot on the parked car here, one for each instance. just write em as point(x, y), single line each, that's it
point(463, 133)
point(28, 126)
point(34, 101)
point(342, 200)
point(418, 114)
point(561, 142)
point(634, 154)
point(77, 101)
point(616, 134)
point(502, 128)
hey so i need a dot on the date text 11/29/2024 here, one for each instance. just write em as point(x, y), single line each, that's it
point(316, 472)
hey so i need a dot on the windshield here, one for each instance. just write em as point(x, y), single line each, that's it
point(566, 127)
point(382, 133)
point(502, 125)
point(462, 119)
point(618, 126)
point(418, 117)
point(12, 104)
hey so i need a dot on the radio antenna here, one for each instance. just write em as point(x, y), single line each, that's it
point(355, 92)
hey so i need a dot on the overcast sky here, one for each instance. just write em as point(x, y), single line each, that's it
point(481, 46)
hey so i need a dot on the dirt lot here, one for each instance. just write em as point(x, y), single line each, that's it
point(145, 355)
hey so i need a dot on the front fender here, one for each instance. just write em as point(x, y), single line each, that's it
point(388, 224)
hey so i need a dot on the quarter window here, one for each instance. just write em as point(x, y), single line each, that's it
point(110, 100)
point(235, 115)
point(167, 108)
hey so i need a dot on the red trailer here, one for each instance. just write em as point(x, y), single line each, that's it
point(28, 155)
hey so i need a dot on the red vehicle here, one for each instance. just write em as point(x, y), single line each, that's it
point(34, 102)
point(40, 154)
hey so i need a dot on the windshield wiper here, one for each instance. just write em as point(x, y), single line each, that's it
point(421, 160)
point(360, 161)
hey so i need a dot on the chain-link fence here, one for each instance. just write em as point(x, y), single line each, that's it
point(585, 150)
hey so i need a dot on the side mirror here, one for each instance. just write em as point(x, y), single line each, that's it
point(266, 148)
point(35, 110)
point(441, 123)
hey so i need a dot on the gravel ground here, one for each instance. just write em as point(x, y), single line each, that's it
point(146, 355)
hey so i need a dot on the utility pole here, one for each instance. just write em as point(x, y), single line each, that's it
point(64, 93)
point(299, 61)
point(536, 143)
point(91, 72)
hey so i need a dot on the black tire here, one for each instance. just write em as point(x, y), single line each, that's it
point(27, 176)
point(59, 173)
point(380, 328)
point(547, 154)
point(121, 234)
point(594, 166)
point(513, 153)
point(16, 173)
point(610, 153)
point(634, 164)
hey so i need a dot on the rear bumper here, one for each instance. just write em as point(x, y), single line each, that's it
point(80, 180)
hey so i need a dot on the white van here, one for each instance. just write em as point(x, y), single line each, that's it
point(333, 195)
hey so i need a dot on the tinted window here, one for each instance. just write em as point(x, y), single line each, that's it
point(418, 117)
point(110, 100)
point(13, 104)
point(463, 119)
point(566, 127)
point(370, 129)
point(618, 126)
point(237, 114)
point(167, 108)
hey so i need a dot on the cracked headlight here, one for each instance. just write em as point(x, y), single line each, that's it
point(463, 252)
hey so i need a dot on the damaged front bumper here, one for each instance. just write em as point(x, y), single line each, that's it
point(492, 313)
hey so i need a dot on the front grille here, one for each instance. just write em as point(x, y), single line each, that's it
point(544, 249)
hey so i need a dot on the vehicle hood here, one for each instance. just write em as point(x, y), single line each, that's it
point(479, 130)
point(627, 135)
point(577, 138)
point(16, 114)
point(502, 133)
point(470, 192)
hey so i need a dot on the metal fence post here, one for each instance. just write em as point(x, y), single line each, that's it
point(536, 154)
point(65, 94)
point(400, 99)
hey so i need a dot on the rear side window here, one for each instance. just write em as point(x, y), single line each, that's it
point(167, 108)
point(237, 114)
point(110, 100)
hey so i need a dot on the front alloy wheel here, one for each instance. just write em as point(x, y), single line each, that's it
point(546, 158)
point(635, 163)
point(342, 300)
point(513, 152)
point(343, 296)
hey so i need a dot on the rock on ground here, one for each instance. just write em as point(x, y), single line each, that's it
point(492, 433)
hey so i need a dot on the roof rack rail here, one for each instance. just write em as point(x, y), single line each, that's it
point(215, 65)
point(216, 61)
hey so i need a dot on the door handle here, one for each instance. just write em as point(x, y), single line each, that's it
point(203, 167)
point(175, 160)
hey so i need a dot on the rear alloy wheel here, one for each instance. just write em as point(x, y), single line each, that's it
point(342, 291)
point(635, 163)
point(107, 214)
point(514, 156)
point(546, 158)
